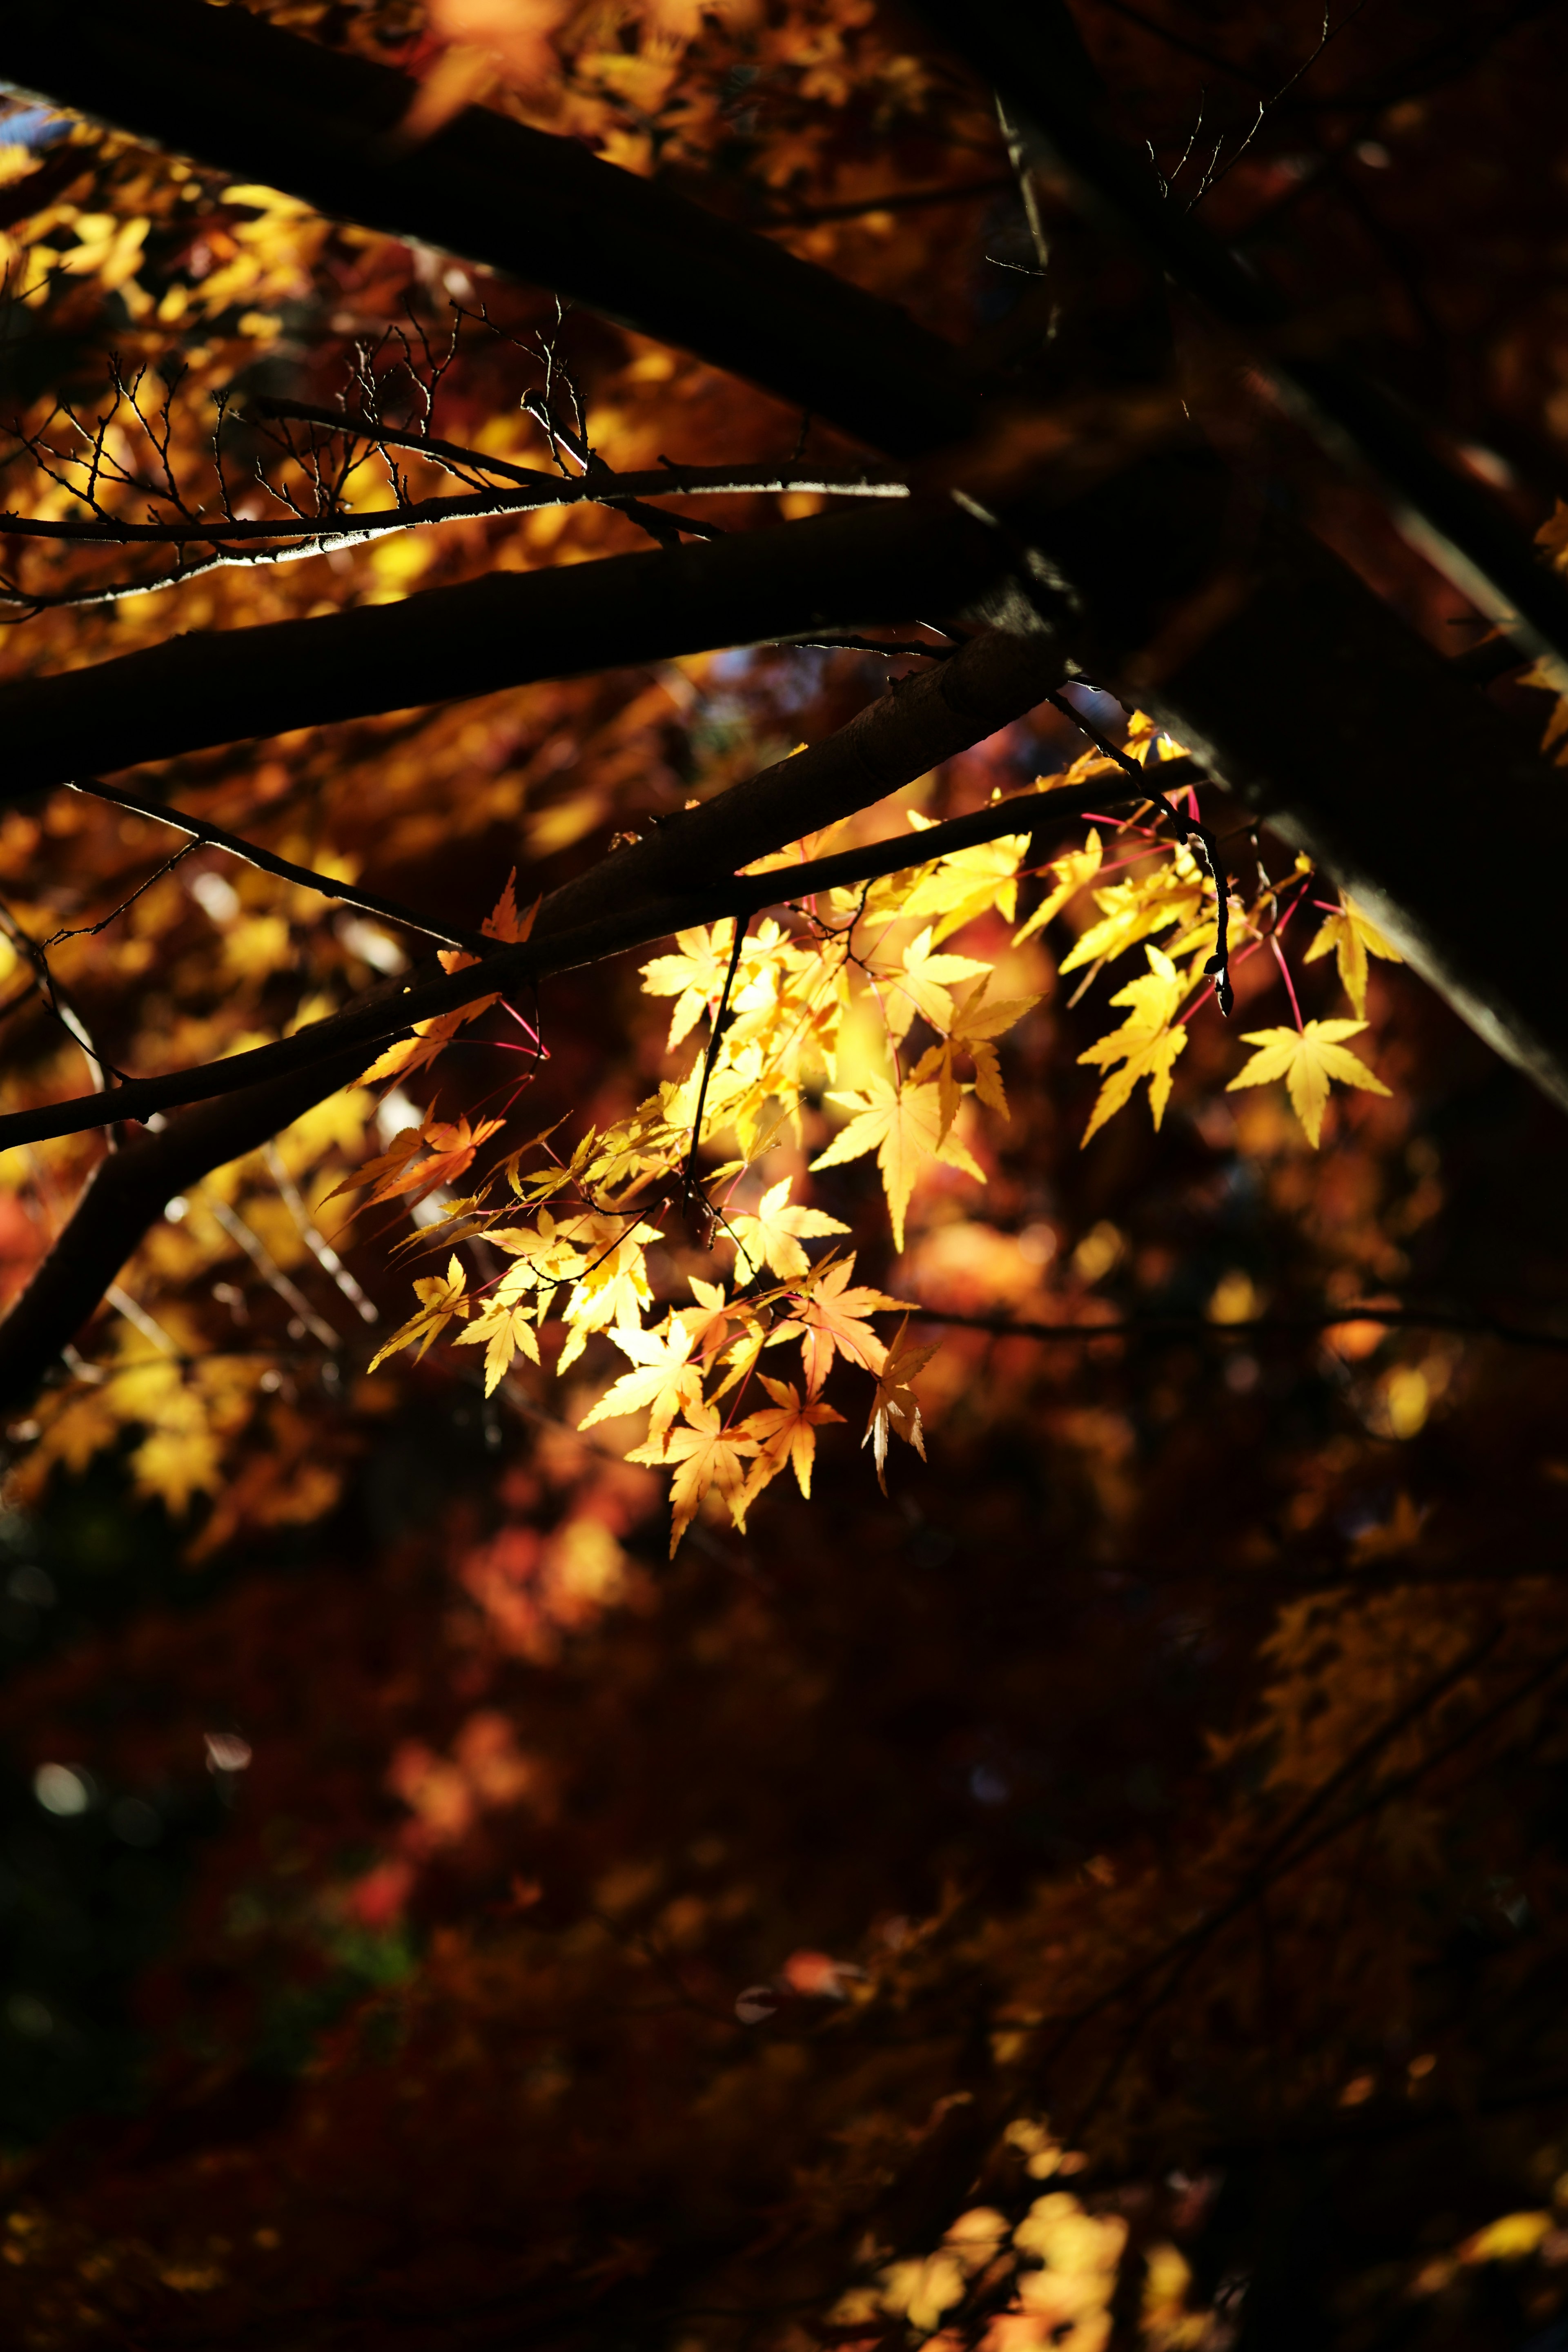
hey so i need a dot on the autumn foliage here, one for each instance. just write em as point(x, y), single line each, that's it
point(805, 1588)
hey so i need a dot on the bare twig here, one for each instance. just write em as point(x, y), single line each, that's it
point(327, 886)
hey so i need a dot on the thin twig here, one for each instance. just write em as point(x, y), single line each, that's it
point(326, 886)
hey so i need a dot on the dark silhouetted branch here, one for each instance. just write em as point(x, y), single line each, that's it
point(1034, 58)
point(262, 105)
point(506, 629)
point(369, 901)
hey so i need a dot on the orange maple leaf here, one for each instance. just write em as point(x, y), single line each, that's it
point(786, 1430)
point(829, 1318)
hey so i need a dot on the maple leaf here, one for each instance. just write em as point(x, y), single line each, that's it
point(706, 1455)
point(390, 1163)
point(895, 1405)
point(1145, 1044)
point(830, 1320)
point(504, 1327)
point(915, 983)
point(440, 1298)
point(1352, 939)
point(452, 1149)
point(772, 1237)
point(709, 1320)
point(504, 922)
point(1130, 910)
point(1072, 872)
point(903, 1125)
point(967, 883)
point(666, 1380)
point(786, 1431)
point(1308, 1060)
point(694, 977)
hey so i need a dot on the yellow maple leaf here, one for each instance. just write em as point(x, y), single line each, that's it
point(665, 1379)
point(1071, 872)
point(903, 1125)
point(772, 1237)
point(504, 1327)
point(786, 1433)
point(705, 1454)
point(1352, 939)
point(895, 1405)
point(914, 981)
point(1146, 1046)
point(440, 1298)
point(694, 977)
point(1308, 1060)
point(967, 883)
point(504, 922)
point(1130, 910)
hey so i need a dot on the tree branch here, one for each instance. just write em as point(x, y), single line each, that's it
point(370, 902)
point(506, 629)
point(264, 105)
point(1035, 56)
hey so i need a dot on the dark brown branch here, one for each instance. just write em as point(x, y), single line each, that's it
point(264, 105)
point(671, 880)
point(506, 629)
point(1034, 56)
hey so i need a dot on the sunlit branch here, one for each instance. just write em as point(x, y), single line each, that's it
point(249, 541)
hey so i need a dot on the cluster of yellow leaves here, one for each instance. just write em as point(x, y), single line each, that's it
point(1166, 890)
point(821, 1009)
point(810, 1011)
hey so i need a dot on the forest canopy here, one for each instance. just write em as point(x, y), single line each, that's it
point(781, 1152)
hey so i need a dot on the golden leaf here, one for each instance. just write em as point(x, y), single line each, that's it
point(1308, 1060)
point(666, 1381)
point(772, 1237)
point(1352, 940)
point(903, 1125)
point(786, 1431)
point(706, 1455)
point(1071, 872)
point(1145, 1044)
point(829, 1318)
point(895, 1405)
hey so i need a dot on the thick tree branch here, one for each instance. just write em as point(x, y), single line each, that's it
point(1034, 56)
point(506, 629)
point(263, 105)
